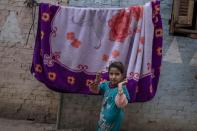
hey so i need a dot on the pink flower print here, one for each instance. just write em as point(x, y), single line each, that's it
point(131, 74)
point(105, 57)
point(55, 55)
point(158, 32)
point(48, 60)
point(119, 26)
point(53, 32)
point(136, 76)
point(82, 67)
point(42, 34)
point(70, 36)
point(71, 80)
point(38, 68)
point(115, 53)
point(136, 12)
point(76, 43)
point(45, 16)
point(159, 51)
point(52, 76)
point(142, 40)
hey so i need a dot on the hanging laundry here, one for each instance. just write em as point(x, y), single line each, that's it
point(73, 43)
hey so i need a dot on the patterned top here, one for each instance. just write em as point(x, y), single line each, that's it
point(111, 115)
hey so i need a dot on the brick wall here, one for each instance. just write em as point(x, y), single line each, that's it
point(22, 97)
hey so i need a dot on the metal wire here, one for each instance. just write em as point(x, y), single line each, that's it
point(98, 3)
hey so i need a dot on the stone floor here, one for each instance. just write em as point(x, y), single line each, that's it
point(22, 125)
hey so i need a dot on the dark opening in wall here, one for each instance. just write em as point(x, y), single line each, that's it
point(183, 18)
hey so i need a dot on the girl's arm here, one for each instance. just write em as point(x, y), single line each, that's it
point(94, 87)
point(121, 99)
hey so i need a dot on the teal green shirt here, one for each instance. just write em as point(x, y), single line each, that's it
point(111, 116)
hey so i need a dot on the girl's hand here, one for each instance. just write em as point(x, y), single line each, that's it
point(98, 77)
point(94, 85)
point(122, 83)
point(120, 90)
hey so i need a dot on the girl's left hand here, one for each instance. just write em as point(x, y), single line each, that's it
point(120, 90)
point(122, 83)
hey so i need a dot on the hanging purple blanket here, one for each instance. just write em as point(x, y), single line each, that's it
point(73, 43)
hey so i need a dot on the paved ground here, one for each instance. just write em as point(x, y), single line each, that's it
point(22, 125)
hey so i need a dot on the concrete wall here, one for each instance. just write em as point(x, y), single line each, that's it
point(22, 97)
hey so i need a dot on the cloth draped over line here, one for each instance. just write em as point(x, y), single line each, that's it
point(73, 43)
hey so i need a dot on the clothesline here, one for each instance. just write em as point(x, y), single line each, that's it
point(32, 3)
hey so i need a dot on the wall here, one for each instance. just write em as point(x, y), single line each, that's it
point(21, 96)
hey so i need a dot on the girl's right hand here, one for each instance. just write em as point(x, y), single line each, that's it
point(98, 77)
point(94, 85)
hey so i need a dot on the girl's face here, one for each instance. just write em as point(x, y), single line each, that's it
point(115, 76)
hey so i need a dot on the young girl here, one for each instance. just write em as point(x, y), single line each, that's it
point(115, 98)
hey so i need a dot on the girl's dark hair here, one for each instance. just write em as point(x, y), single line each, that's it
point(117, 65)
